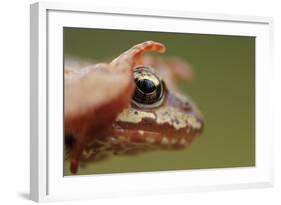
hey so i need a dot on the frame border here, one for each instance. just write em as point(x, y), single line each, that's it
point(39, 76)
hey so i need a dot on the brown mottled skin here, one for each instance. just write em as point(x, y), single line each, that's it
point(99, 116)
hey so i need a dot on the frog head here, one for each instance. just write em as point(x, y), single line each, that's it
point(158, 115)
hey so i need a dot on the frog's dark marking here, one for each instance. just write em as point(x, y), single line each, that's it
point(69, 141)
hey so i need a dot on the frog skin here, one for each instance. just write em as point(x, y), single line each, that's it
point(127, 106)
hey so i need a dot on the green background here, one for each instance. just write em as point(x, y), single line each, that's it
point(224, 90)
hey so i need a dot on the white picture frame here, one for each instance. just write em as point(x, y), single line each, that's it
point(47, 182)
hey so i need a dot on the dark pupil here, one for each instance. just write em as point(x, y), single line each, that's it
point(146, 86)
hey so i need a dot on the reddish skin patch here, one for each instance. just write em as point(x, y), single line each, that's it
point(96, 121)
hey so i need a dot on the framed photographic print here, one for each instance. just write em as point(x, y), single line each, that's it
point(127, 102)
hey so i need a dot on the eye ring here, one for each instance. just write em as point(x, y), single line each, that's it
point(150, 88)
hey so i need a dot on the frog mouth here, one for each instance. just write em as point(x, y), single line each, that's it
point(163, 136)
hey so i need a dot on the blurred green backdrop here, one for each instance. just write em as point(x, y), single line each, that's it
point(224, 90)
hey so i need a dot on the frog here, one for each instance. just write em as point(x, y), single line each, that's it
point(128, 106)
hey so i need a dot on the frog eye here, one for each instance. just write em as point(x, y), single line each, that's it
point(149, 91)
